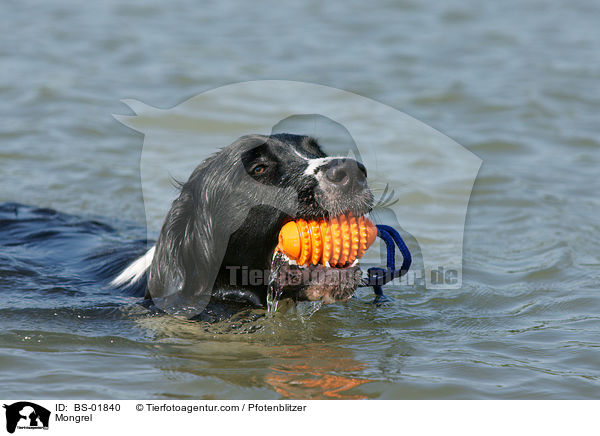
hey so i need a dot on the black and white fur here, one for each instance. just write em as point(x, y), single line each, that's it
point(229, 213)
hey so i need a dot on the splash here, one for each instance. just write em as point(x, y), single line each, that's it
point(274, 291)
point(273, 296)
point(306, 309)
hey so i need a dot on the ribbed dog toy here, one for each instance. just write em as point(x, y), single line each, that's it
point(339, 241)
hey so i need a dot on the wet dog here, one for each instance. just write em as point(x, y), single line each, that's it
point(218, 240)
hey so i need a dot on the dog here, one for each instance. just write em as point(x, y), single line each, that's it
point(224, 225)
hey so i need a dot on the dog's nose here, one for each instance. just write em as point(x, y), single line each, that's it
point(346, 174)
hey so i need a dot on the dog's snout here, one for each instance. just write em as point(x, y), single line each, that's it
point(346, 173)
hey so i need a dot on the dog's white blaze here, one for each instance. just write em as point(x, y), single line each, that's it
point(300, 154)
point(314, 164)
point(135, 271)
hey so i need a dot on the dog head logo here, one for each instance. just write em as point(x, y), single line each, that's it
point(422, 178)
point(26, 415)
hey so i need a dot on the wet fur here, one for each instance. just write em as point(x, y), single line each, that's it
point(225, 217)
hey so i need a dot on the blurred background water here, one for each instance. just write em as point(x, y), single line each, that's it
point(516, 83)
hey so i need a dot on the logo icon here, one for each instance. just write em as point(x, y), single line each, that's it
point(422, 177)
point(26, 415)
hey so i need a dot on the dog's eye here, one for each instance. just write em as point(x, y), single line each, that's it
point(259, 169)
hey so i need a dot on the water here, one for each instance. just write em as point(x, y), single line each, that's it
point(273, 291)
point(516, 83)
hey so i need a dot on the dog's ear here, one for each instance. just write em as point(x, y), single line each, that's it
point(188, 255)
point(212, 206)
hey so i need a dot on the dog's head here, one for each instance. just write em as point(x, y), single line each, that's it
point(220, 235)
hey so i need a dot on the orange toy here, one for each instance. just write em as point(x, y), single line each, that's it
point(337, 240)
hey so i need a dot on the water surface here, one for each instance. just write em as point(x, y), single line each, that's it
point(517, 83)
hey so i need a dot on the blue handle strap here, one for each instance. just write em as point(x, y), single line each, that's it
point(406, 257)
point(377, 277)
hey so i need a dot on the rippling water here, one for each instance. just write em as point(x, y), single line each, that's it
point(517, 83)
